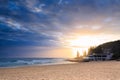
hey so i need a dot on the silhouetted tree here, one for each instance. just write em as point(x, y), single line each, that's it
point(84, 53)
point(78, 55)
point(91, 50)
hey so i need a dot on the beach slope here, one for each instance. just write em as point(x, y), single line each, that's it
point(107, 70)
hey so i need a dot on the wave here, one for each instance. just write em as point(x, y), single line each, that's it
point(28, 61)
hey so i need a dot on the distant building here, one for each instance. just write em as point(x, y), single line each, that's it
point(106, 55)
point(99, 57)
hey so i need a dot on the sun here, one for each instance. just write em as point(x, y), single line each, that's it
point(84, 42)
point(81, 44)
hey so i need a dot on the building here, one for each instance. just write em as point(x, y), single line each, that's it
point(99, 57)
point(106, 55)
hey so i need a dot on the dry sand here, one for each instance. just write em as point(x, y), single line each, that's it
point(108, 70)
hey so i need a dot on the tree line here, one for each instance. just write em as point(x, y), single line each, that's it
point(113, 47)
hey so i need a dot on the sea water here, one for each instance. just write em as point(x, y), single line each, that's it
point(17, 62)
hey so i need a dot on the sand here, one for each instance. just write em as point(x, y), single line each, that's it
point(107, 70)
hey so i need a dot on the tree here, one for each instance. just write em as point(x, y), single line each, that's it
point(78, 55)
point(91, 50)
point(84, 54)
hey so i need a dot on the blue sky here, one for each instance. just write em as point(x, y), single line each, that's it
point(52, 23)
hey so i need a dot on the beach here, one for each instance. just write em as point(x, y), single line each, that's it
point(100, 70)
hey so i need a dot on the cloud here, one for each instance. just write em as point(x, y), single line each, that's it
point(60, 1)
point(107, 20)
point(46, 21)
point(12, 24)
point(49, 24)
point(96, 27)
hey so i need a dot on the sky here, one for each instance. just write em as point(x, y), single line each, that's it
point(56, 28)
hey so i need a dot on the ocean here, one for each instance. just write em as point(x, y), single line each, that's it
point(19, 62)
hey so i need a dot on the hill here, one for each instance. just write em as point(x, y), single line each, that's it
point(111, 47)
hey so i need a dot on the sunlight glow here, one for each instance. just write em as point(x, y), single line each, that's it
point(85, 42)
point(81, 44)
point(80, 50)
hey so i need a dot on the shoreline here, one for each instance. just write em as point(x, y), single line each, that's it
point(39, 65)
point(56, 64)
point(21, 62)
point(107, 70)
